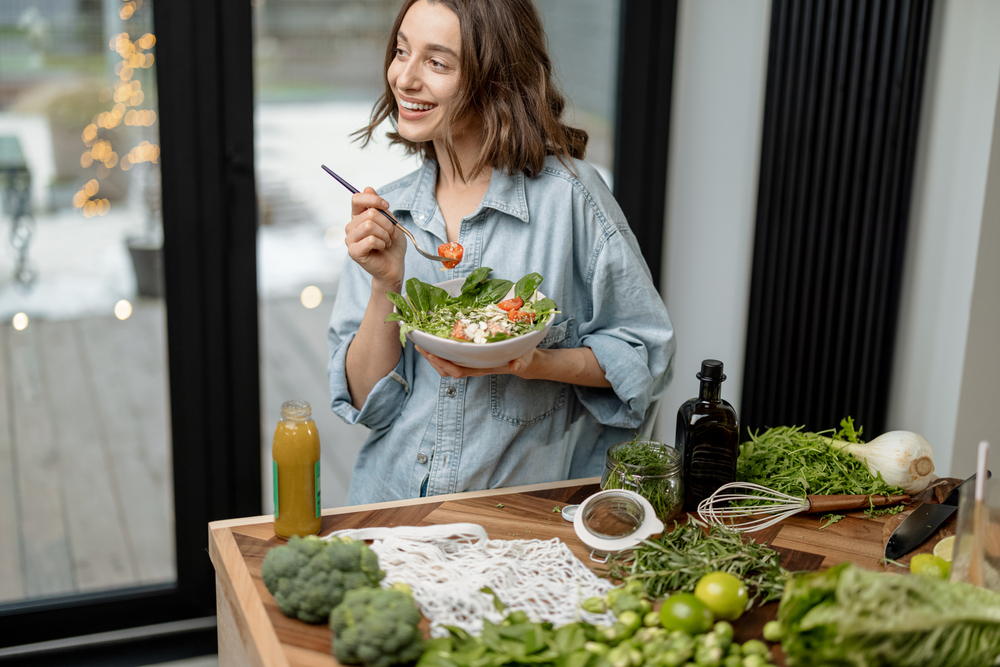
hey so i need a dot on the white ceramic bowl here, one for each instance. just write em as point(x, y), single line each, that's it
point(471, 355)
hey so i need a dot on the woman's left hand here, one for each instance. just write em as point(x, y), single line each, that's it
point(445, 368)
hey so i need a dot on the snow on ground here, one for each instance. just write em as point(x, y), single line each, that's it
point(83, 265)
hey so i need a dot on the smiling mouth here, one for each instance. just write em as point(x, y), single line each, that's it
point(412, 106)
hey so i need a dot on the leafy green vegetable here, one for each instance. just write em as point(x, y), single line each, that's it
point(797, 462)
point(850, 617)
point(432, 310)
point(676, 561)
point(831, 519)
point(526, 286)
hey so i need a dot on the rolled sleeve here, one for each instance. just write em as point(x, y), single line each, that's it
point(386, 398)
point(384, 401)
point(637, 357)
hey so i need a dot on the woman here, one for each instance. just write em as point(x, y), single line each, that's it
point(469, 88)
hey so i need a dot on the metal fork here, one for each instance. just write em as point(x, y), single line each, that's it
point(436, 258)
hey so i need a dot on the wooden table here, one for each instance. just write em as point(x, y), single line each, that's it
point(253, 631)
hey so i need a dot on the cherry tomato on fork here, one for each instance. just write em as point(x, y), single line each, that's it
point(453, 250)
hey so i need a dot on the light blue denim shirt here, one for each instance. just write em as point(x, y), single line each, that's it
point(500, 430)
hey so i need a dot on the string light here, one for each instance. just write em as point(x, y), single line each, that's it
point(125, 92)
point(20, 321)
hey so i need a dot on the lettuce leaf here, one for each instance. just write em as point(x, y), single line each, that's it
point(851, 617)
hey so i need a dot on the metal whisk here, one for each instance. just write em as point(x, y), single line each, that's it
point(773, 506)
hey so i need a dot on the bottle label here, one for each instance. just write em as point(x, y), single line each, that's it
point(318, 504)
point(274, 469)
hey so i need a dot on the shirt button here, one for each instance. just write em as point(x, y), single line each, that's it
point(450, 392)
point(421, 458)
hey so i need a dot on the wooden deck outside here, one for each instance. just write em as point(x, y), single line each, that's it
point(85, 465)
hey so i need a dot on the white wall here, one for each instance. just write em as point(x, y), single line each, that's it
point(718, 106)
point(951, 180)
point(946, 373)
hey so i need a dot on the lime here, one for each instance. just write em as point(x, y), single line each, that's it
point(929, 565)
point(724, 594)
point(945, 547)
point(687, 613)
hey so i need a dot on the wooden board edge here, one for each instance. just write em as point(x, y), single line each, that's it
point(254, 628)
point(527, 488)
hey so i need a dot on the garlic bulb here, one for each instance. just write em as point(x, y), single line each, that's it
point(904, 458)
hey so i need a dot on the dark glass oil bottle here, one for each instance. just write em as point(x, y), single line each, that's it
point(708, 437)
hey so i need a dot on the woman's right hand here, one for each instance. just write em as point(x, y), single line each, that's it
point(373, 241)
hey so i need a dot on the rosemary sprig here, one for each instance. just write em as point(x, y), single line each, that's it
point(676, 561)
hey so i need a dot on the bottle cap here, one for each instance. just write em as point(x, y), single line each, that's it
point(295, 409)
point(711, 369)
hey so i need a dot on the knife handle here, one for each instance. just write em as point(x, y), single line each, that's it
point(841, 503)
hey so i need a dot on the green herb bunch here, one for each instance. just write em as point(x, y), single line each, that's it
point(649, 468)
point(800, 463)
point(675, 561)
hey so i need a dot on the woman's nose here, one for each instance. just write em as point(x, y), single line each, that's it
point(409, 76)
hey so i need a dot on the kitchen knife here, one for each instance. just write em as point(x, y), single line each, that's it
point(922, 523)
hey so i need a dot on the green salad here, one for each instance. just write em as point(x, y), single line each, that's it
point(479, 314)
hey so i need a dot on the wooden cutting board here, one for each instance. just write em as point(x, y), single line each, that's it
point(253, 631)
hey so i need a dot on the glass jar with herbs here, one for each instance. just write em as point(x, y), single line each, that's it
point(650, 468)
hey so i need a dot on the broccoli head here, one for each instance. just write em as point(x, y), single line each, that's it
point(308, 576)
point(376, 627)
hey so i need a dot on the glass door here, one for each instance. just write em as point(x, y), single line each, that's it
point(125, 284)
point(85, 468)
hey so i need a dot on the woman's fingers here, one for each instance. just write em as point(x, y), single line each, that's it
point(367, 199)
point(379, 233)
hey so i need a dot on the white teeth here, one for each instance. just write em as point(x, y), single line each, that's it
point(415, 107)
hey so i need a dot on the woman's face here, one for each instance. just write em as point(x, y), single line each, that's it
point(424, 76)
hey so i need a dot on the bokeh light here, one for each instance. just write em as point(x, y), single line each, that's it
point(311, 297)
point(123, 309)
point(20, 321)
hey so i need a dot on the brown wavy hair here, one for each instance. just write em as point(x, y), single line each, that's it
point(506, 81)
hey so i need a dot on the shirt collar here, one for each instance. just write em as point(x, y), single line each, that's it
point(506, 194)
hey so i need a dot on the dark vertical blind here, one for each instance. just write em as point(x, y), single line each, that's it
point(647, 34)
point(842, 105)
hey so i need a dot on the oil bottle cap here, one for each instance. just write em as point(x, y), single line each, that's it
point(295, 409)
point(711, 369)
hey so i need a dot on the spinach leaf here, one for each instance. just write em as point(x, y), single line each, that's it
point(400, 302)
point(526, 286)
point(494, 290)
point(544, 305)
point(416, 291)
point(475, 279)
point(436, 296)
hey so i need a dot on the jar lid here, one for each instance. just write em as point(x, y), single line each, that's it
point(615, 520)
point(296, 409)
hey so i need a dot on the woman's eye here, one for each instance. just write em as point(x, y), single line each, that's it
point(437, 64)
point(400, 52)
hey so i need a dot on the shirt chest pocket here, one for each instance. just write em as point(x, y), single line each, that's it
point(525, 402)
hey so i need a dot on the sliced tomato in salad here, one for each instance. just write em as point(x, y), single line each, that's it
point(511, 304)
point(520, 316)
point(452, 250)
point(458, 331)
